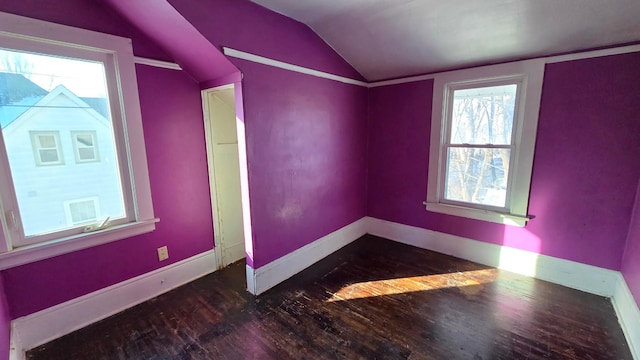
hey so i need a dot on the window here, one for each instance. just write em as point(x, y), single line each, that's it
point(85, 147)
point(483, 132)
point(68, 91)
point(82, 211)
point(46, 148)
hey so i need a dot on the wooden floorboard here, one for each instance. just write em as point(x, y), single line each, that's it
point(374, 299)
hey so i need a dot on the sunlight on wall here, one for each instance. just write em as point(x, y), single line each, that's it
point(513, 258)
point(469, 282)
point(244, 190)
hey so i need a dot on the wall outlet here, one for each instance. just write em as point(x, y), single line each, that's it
point(163, 253)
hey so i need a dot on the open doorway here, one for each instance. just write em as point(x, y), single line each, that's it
point(223, 154)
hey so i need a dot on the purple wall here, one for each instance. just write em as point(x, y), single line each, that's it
point(174, 137)
point(307, 147)
point(86, 14)
point(306, 140)
point(246, 26)
point(5, 324)
point(630, 261)
point(585, 166)
point(306, 137)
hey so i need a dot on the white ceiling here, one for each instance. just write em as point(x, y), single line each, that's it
point(386, 39)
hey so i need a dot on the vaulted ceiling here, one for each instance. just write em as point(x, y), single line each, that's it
point(386, 39)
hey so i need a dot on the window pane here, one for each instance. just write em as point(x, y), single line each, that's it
point(86, 153)
point(477, 175)
point(483, 115)
point(49, 156)
point(41, 93)
point(85, 140)
point(47, 141)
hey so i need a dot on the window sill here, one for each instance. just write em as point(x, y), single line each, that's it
point(49, 249)
point(477, 214)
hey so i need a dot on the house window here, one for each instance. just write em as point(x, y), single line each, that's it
point(85, 146)
point(484, 124)
point(82, 211)
point(46, 148)
point(55, 80)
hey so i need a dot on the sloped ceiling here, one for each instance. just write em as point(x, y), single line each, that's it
point(162, 23)
point(386, 39)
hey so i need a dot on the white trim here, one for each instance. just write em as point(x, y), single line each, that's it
point(300, 69)
point(402, 80)
point(265, 277)
point(628, 315)
point(283, 65)
point(43, 326)
point(156, 63)
point(251, 280)
point(593, 54)
point(547, 59)
point(208, 137)
point(568, 273)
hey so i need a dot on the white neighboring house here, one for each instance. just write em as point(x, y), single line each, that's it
point(61, 136)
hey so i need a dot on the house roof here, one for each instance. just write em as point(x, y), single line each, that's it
point(18, 94)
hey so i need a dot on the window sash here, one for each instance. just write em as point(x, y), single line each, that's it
point(446, 136)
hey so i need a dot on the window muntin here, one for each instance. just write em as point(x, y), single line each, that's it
point(503, 196)
point(85, 146)
point(46, 148)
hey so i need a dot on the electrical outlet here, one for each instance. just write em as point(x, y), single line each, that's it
point(163, 253)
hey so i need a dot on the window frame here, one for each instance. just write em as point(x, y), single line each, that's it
point(35, 144)
point(76, 148)
point(529, 75)
point(26, 34)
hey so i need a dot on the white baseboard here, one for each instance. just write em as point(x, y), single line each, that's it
point(43, 326)
point(628, 315)
point(265, 277)
point(572, 274)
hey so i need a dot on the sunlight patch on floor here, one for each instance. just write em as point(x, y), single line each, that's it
point(469, 282)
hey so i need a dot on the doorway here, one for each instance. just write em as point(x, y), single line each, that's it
point(221, 129)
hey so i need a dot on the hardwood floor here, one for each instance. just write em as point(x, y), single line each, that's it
point(374, 299)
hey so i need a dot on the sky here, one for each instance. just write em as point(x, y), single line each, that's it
point(83, 78)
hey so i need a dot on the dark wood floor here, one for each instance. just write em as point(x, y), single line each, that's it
point(374, 299)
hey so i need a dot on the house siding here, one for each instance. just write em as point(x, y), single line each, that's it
point(41, 202)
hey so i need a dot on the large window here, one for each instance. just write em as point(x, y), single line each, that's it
point(483, 134)
point(68, 100)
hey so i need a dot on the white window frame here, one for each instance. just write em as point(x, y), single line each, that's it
point(21, 33)
point(35, 144)
point(76, 148)
point(529, 76)
point(69, 215)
